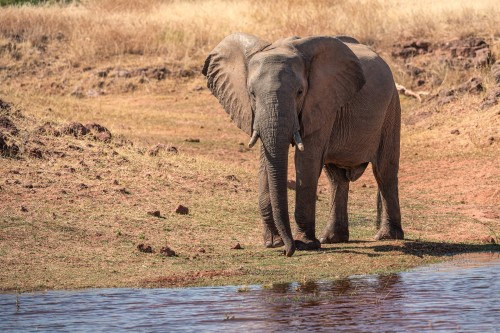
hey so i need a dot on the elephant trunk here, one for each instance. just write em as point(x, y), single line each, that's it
point(277, 167)
point(276, 132)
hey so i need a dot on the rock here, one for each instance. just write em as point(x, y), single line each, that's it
point(123, 190)
point(186, 73)
point(201, 250)
point(495, 72)
point(35, 152)
point(145, 248)
point(455, 131)
point(155, 213)
point(491, 99)
point(47, 129)
point(172, 150)
point(192, 140)
point(8, 126)
point(123, 74)
point(413, 71)
point(5, 106)
point(103, 73)
point(446, 99)
point(167, 252)
point(291, 185)
point(159, 73)
point(7, 150)
point(155, 150)
point(99, 132)
point(232, 178)
point(469, 52)
point(411, 49)
point(182, 210)
point(237, 247)
point(24, 209)
point(488, 240)
point(76, 129)
point(473, 86)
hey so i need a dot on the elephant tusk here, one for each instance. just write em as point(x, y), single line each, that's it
point(298, 141)
point(253, 139)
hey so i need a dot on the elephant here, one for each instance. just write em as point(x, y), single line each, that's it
point(335, 101)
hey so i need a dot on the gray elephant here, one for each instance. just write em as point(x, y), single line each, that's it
point(335, 100)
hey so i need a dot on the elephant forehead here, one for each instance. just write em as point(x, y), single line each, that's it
point(276, 57)
point(284, 67)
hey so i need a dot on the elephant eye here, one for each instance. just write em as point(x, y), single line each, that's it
point(299, 93)
point(252, 93)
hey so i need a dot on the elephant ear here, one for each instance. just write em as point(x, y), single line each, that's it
point(335, 76)
point(226, 72)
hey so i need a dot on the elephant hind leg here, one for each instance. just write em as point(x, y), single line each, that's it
point(385, 169)
point(337, 228)
point(389, 219)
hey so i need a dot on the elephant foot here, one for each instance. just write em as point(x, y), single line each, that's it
point(387, 234)
point(277, 241)
point(307, 244)
point(335, 237)
point(272, 239)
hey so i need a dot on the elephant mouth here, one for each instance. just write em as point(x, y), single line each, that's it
point(297, 140)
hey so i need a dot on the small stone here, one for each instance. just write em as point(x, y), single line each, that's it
point(124, 191)
point(201, 250)
point(237, 247)
point(182, 210)
point(155, 213)
point(192, 140)
point(153, 151)
point(455, 132)
point(172, 150)
point(145, 248)
point(167, 252)
point(24, 209)
point(232, 178)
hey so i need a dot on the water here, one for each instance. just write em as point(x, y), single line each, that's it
point(462, 295)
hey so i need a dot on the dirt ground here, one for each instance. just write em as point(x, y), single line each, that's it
point(135, 176)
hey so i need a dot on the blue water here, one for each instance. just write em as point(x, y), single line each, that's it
point(462, 295)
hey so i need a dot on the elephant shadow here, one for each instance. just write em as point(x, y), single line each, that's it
point(418, 248)
point(421, 248)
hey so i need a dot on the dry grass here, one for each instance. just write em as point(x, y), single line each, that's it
point(71, 235)
point(184, 31)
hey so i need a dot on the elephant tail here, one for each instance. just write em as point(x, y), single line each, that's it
point(379, 210)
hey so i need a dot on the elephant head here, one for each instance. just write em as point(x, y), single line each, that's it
point(279, 93)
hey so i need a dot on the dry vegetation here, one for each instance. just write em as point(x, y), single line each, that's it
point(74, 208)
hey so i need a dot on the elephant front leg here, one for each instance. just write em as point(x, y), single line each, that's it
point(337, 229)
point(270, 233)
point(308, 171)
